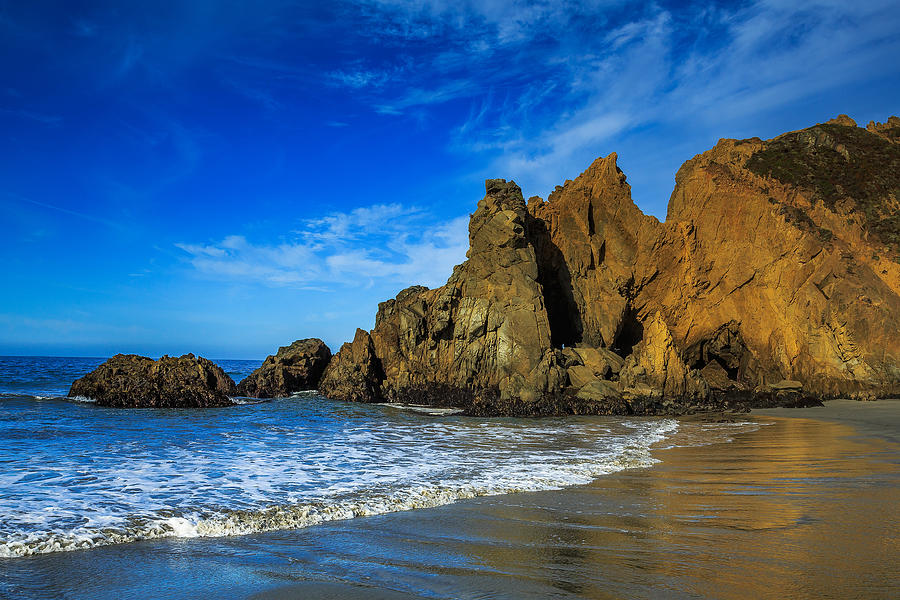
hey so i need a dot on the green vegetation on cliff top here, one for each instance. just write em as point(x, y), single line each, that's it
point(838, 162)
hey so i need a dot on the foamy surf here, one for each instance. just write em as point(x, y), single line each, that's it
point(423, 409)
point(82, 399)
point(76, 475)
point(529, 469)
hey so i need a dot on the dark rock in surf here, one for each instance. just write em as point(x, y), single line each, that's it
point(293, 368)
point(132, 381)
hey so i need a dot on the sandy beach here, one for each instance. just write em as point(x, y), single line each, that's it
point(803, 507)
point(877, 419)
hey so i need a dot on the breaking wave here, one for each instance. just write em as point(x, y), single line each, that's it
point(247, 488)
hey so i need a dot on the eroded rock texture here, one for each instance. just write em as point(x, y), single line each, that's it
point(775, 276)
point(132, 381)
point(354, 373)
point(485, 332)
point(292, 369)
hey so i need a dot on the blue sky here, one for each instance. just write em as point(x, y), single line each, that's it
point(226, 177)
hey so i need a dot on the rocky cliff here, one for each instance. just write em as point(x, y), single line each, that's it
point(774, 276)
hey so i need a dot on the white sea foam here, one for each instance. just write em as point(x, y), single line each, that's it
point(424, 409)
point(79, 399)
point(288, 465)
point(367, 473)
point(243, 400)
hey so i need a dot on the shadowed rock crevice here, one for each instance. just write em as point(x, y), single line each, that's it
point(724, 359)
point(556, 282)
point(631, 333)
point(592, 228)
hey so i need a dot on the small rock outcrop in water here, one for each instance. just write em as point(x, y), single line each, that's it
point(132, 381)
point(354, 372)
point(292, 369)
point(775, 280)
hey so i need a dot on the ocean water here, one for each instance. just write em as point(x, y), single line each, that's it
point(76, 476)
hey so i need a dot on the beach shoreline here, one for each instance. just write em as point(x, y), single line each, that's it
point(866, 430)
point(880, 418)
point(774, 512)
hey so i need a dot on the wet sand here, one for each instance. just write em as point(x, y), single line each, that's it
point(877, 419)
point(804, 507)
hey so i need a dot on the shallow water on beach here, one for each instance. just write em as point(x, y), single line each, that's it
point(76, 476)
point(604, 507)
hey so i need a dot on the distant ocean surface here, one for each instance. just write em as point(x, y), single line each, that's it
point(74, 475)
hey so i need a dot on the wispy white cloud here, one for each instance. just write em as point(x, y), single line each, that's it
point(603, 95)
point(416, 97)
point(362, 78)
point(777, 53)
point(359, 223)
point(387, 243)
point(509, 21)
point(712, 66)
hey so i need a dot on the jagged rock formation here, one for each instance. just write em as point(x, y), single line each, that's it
point(889, 131)
point(292, 369)
point(774, 276)
point(486, 331)
point(354, 373)
point(132, 381)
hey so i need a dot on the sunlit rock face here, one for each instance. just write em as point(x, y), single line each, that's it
point(794, 242)
point(775, 275)
point(484, 333)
